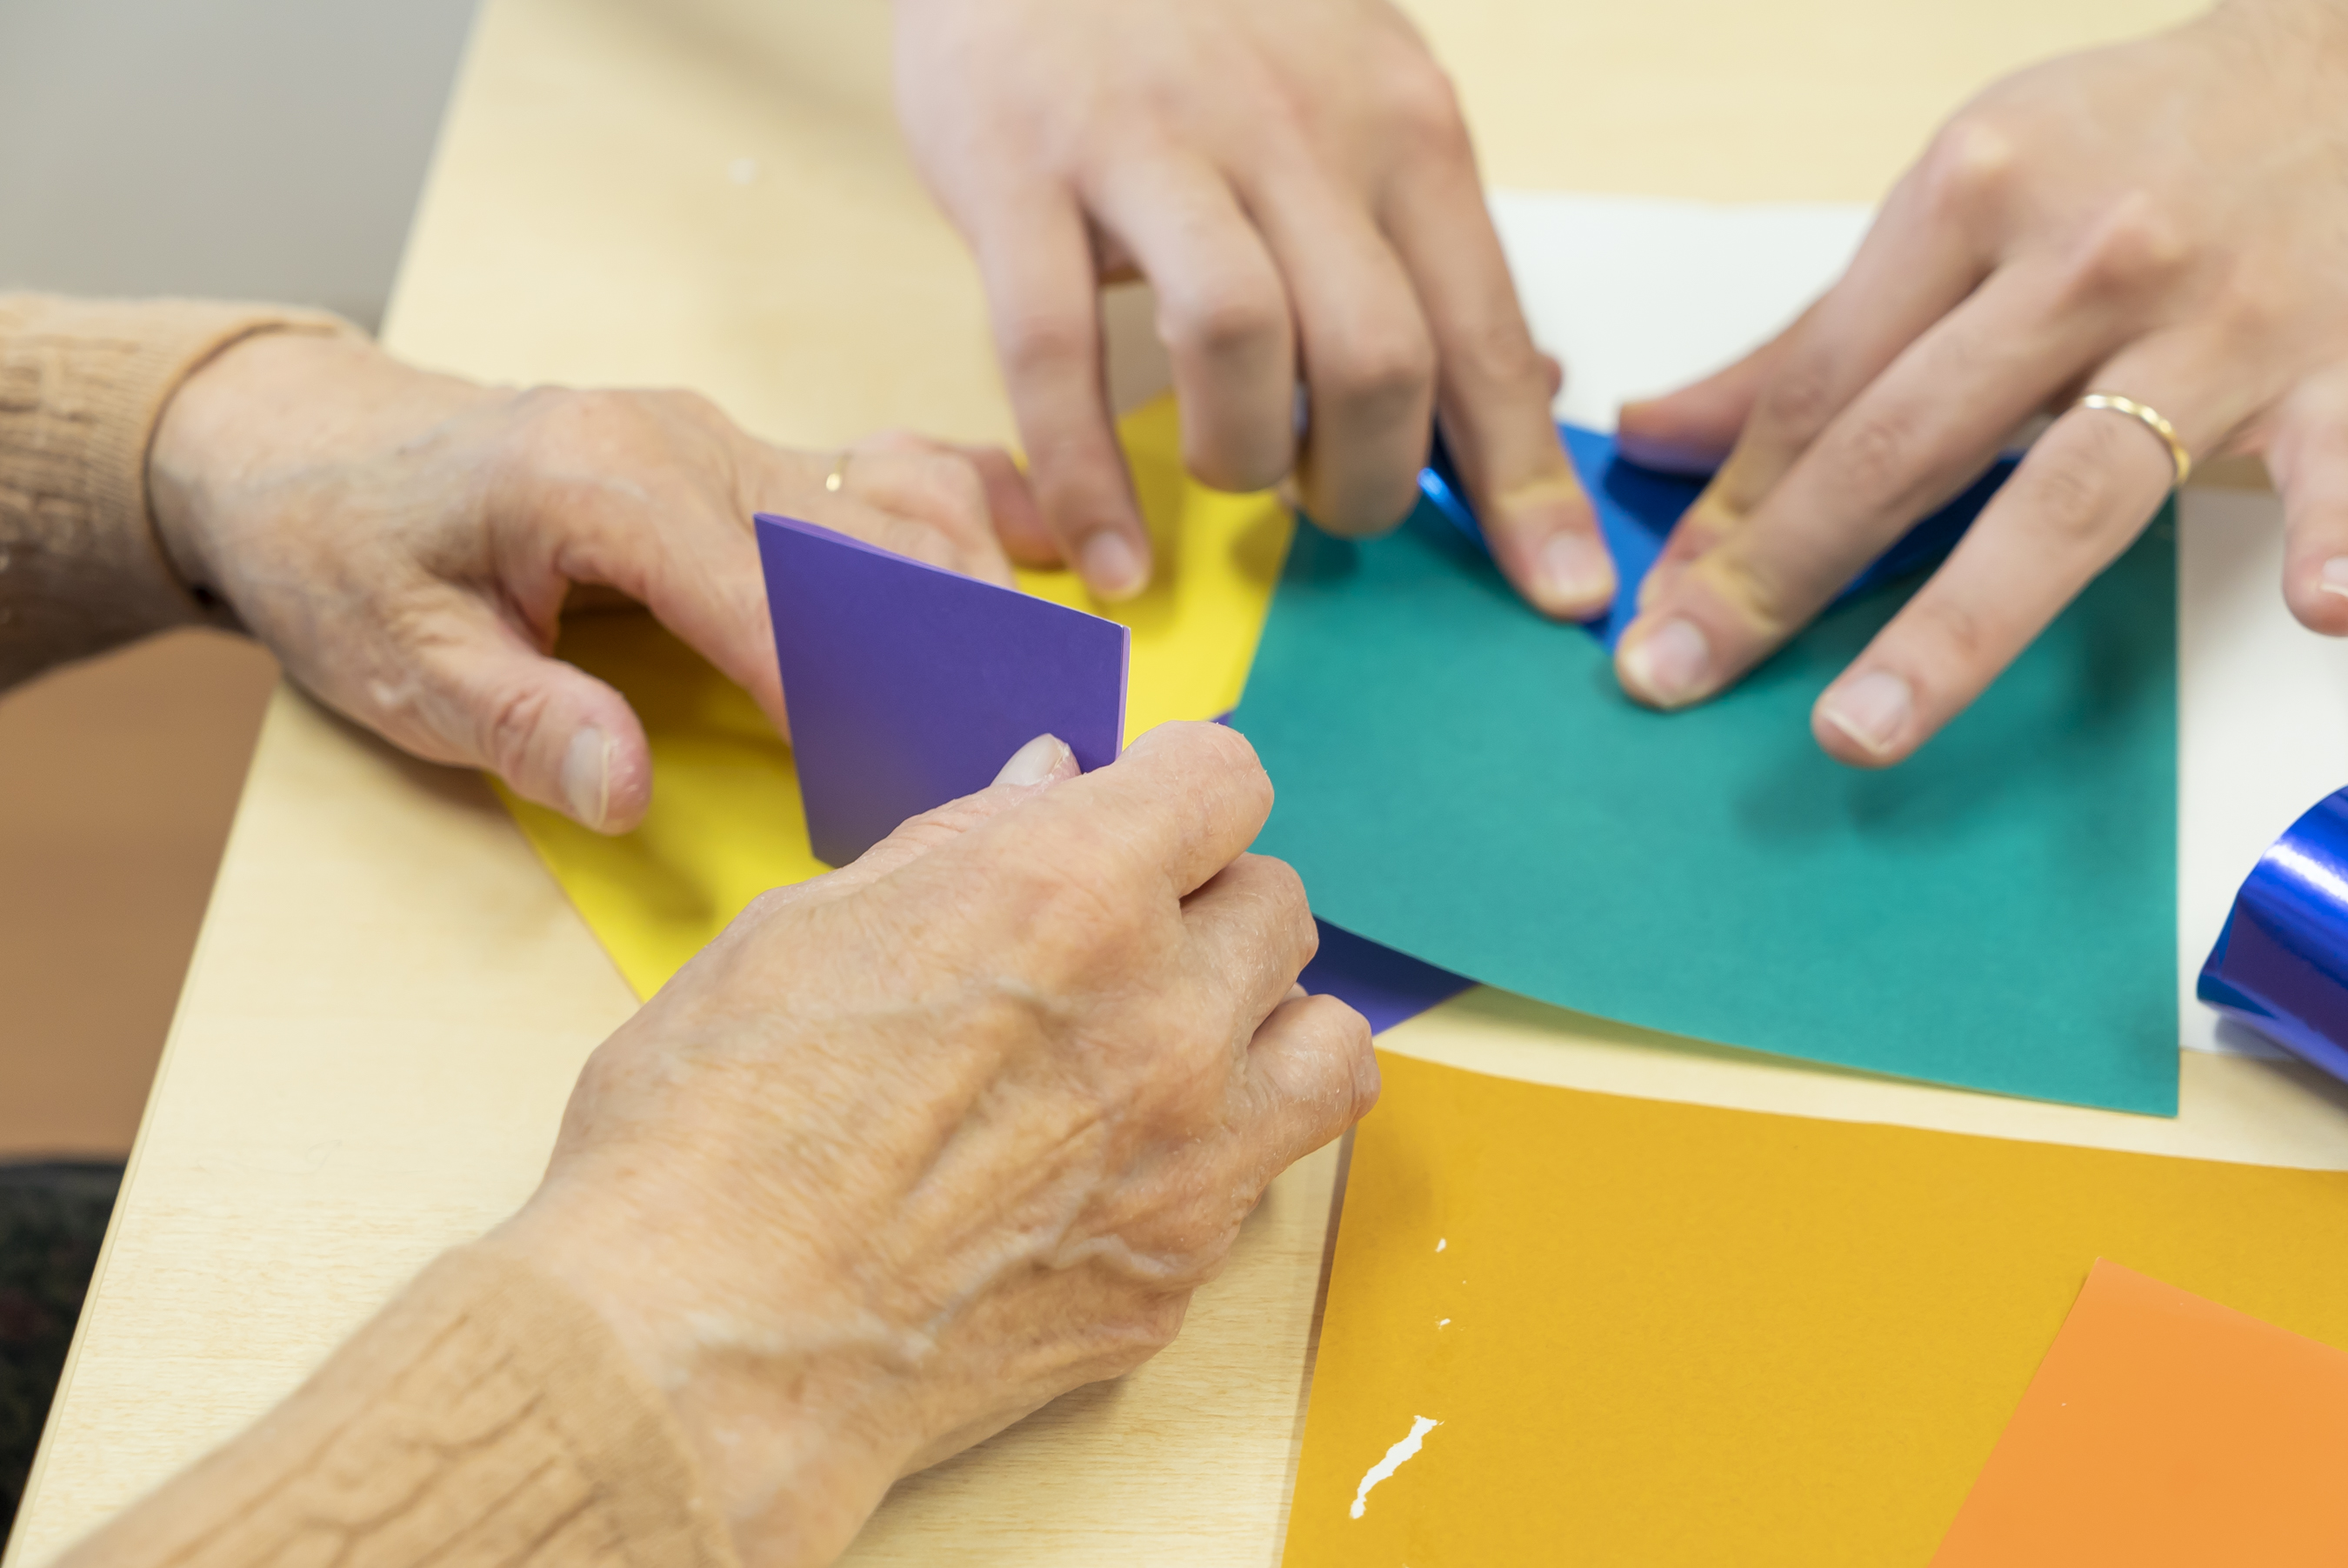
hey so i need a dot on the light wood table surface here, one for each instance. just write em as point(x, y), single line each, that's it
point(391, 997)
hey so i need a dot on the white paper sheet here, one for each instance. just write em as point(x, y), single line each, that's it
point(2262, 723)
point(1638, 296)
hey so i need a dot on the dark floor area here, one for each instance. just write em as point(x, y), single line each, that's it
point(52, 1218)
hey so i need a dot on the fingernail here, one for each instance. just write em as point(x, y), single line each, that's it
point(1671, 664)
point(1037, 761)
point(1110, 566)
point(2334, 579)
point(1575, 572)
point(587, 776)
point(1872, 710)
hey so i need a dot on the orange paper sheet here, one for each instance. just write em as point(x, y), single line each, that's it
point(1642, 1333)
point(2166, 1429)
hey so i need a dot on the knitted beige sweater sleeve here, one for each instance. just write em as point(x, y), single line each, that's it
point(82, 386)
point(486, 1418)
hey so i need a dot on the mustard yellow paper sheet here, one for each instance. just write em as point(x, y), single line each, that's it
point(725, 823)
point(1571, 1328)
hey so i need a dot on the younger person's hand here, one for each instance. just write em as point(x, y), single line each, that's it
point(2165, 220)
point(917, 1145)
point(1296, 182)
point(405, 542)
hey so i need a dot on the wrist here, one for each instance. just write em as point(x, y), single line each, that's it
point(206, 434)
point(271, 411)
point(789, 1427)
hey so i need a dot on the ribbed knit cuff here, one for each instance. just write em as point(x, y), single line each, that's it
point(83, 383)
point(487, 1416)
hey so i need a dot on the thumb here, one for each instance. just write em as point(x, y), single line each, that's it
point(1693, 430)
point(1033, 769)
point(478, 694)
point(2309, 459)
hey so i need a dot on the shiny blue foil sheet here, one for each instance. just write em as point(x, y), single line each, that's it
point(1637, 507)
point(2281, 966)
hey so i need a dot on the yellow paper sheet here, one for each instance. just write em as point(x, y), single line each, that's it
point(725, 823)
point(1659, 1335)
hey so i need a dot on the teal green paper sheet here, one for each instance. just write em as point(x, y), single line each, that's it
point(1464, 781)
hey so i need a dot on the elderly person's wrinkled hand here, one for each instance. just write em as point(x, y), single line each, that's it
point(915, 1146)
point(1297, 184)
point(405, 542)
point(2163, 221)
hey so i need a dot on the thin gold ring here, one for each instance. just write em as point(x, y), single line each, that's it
point(838, 475)
point(2152, 419)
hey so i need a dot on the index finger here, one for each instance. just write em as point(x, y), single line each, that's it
point(1493, 388)
point(1184, 801)
point(1921, 257)
point(1037, 261)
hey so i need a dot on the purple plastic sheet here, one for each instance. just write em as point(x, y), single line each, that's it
point(2280, 964)
point(1382, 985)
point(910, 685)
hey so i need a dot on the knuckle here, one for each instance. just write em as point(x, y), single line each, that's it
point(1235, 755)
point(1800, 397)
point(1759, 591)
point(1153, 1326)
point(1969, 169)
point(941, 485)
point(1960, 636)
point(1379, 374)
point(1226, 318)
point(2070, 486)
point(1226, 746)
point(1284, 912)
point(1424, 105)
point(1495, 350)
point(1877, 457)
point(2135, 246)
point(1283, 888)
point(1043, 342)
point(1085, 883)
point(506, 725)
point(2249, 310)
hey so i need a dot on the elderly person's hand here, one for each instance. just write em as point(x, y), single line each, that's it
point(2163, 221)
point(405, 542)
point(1296, 182)
point(916, 1146)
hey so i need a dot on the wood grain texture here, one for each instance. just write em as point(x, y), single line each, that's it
point(391, 997)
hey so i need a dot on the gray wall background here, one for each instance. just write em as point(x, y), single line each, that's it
point(245, 148)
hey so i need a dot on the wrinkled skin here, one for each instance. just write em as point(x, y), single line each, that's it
point(915, 1146)
point(2164, 219)
point(1297, 184)
point(405, 544)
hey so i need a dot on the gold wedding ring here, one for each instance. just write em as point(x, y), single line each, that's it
point(838, 475)
point(2151, 418)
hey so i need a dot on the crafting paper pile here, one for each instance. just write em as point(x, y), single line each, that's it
point(1570, 1327)
point(1613, 1331)
point(1462, 783)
